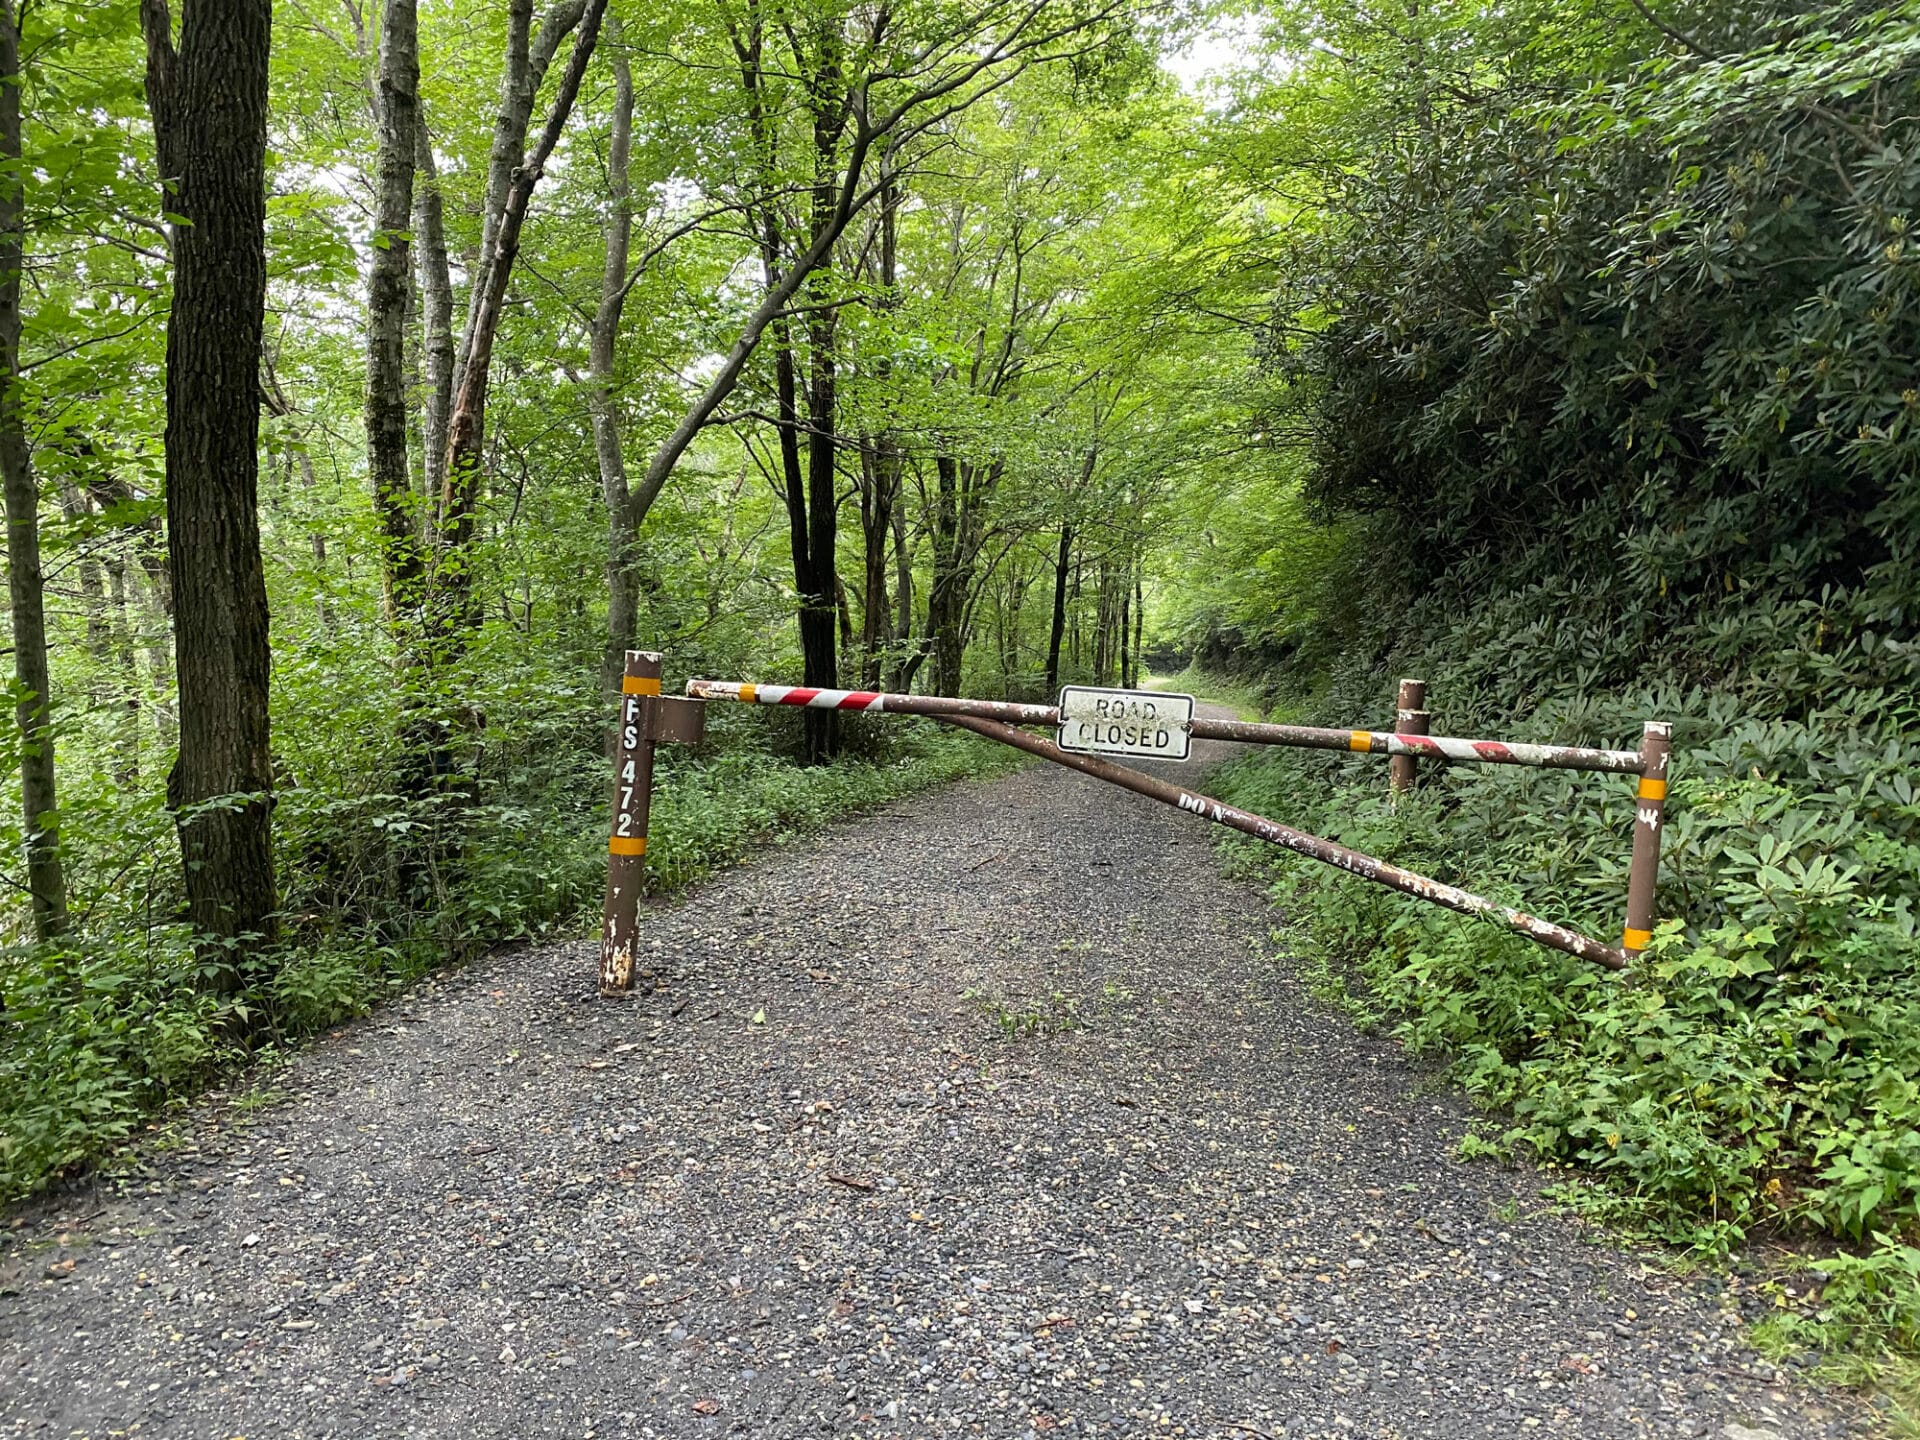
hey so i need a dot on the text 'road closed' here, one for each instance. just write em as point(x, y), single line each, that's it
point(1145, 723)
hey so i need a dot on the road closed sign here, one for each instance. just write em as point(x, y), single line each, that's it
point(1147, 723)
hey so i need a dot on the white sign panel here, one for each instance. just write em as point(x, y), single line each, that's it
point(1147, 723)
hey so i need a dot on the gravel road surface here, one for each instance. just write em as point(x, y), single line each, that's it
point(990, 1115)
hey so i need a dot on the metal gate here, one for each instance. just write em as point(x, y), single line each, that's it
point(1092, 724)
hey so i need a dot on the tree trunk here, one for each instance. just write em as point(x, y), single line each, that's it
point(436, 311)
point(946, 596)
point(844, 609)
point(399, 505)
point(817, 601)
point(209, 102)
point(958, 532)
point(623, 583)
point(46, 877)
point(903, 589)
point(157, 632)
point(819, 653)
point(1139, 623)
point(879, 500)
point(528, 56)
point(880, 462)
point(1103, 627)
point(816, 614)
point(1061, 566)
point(126, 755)
point(76, 505)
point(148, 540)
point(395, 500)
point(1073, 617)
point(460, 496)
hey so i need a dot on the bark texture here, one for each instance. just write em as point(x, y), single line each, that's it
point(880, 461)
point(623, 583)
point(396, 502)
point(209, 102)
point(46, 878)
point(962, 498)
point(460, 494)
point(436, 307)
point(1062, 566)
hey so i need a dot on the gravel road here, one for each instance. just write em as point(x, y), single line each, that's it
point(989, 1115)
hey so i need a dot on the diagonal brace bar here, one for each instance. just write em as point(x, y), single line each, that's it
point(1543, 932)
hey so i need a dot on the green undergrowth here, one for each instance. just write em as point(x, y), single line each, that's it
point(1243, 698)
point(1759, 1069)
point(99, 1039)
point(1601, 406)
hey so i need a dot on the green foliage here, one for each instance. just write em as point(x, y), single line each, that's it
point(1021, 331)
point(1018, 1018)
point(1760, 1065)
point(1875, 1297)
point(1591, 388)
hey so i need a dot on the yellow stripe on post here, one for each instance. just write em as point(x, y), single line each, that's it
point(1636, 940)
point(627, 845)
point(639, 685)
point(747, 694)
point(1651, 789)
point(1360, 740)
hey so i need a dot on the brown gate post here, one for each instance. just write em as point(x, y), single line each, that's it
point(1649, 813)
point(1410, 719)
point(632, 797)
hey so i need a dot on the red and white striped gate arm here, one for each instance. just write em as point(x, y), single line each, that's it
point(997, 719)
point(812, 698)
point(1313, 737)
point(871, 701)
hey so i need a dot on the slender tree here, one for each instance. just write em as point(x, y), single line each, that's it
point(208, 97)
point(46, 878)
point(436, 304)
point(1062, 565)
point(623, 584)
point(880, 457)
point(395, 500)
point(500, 247)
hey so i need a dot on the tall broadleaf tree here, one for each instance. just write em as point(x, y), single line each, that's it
point(208, 95)
point(46, 877)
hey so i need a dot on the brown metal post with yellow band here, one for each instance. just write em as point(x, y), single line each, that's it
point(632, 799)
point(647, 718)
point(1649, 814)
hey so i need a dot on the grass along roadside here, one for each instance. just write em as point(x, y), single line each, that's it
point(1213, 690)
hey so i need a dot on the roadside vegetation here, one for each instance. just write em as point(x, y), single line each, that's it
point(1599, 374)
point(811, 342)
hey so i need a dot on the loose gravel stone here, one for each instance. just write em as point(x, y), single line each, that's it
point(990, 1115)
